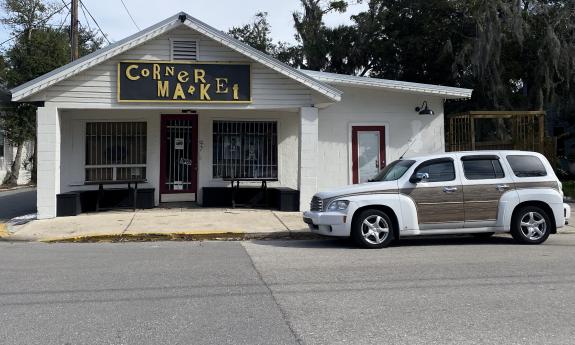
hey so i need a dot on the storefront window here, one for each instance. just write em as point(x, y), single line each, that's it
point(245, 149)
point(115, 151)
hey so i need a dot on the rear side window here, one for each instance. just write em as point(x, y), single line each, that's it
point(526, 166)
point(439, 170)
point(482, 167)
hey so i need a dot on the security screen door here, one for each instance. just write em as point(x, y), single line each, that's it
point(179, 169)
point(368, 152)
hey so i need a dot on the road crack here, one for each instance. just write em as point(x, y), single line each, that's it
point(283, 312)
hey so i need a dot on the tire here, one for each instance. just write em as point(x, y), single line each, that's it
point(531, 225)
point(372, 229)
point(483, 234)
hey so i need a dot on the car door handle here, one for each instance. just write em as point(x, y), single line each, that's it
point(501, 187)
point(449, 189)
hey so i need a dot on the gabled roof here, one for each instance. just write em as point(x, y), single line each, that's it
point(394, 85)
point(112, 50)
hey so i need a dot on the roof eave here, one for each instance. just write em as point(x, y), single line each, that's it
point(33, 86)
point(19, 93)
point(245, 49)
point(391, 85)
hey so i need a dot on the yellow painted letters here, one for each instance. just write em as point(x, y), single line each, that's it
point(199, 74)
point(169, 71)
point(129, 75)
point(183, 76)
point(204, 92)
point(163, 88)
point(236, 89)
point(221, 85)
point(156, 72)
point(179, 92)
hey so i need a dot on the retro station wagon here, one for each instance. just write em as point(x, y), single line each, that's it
point(479, 193)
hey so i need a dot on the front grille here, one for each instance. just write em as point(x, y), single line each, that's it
point(316, 204)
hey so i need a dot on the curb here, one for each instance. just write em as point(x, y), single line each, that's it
point(4, 231)
point(184, 236)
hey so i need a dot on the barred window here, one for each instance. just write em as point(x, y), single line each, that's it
point(245, 149)
point(115, 151)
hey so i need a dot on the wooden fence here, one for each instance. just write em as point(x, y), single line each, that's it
point(500, 130)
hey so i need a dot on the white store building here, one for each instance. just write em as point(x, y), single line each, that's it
point(181, 106)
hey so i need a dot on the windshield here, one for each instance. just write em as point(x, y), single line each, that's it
point(393, 171)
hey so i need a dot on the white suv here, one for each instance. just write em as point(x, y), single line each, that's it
point(479, 192)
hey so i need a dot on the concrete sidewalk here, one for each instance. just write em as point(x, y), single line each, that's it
point(158, 223)
point(167, 224)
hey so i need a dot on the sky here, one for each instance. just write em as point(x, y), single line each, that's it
point(221, 14)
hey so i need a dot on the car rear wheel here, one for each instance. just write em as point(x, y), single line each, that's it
point(531, 225)
point(372, 229)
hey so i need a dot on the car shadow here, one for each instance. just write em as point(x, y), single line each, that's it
point(346, 243)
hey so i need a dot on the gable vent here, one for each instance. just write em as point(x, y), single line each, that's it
point(184, 50)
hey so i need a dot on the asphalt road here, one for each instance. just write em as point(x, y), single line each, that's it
point(439, 291)
point(17, 203)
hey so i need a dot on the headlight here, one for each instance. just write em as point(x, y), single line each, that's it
point(338, 205)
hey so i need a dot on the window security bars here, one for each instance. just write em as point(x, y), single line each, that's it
point(245, 149)
point(115, 151)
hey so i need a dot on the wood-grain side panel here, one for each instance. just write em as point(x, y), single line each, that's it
point(481, 201)
point(436, 206)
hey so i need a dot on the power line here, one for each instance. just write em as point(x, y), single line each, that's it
point(86, 18)
point(44, 23)
point(54, 13)
point(98, 25)
point(8, 40)
point(129, 14)
point(64, 21)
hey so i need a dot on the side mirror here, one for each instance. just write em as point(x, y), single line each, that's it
point(419, 177)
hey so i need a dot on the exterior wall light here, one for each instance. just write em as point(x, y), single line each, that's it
point(424, 109)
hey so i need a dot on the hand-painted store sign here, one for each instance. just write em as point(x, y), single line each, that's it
point(143, 81)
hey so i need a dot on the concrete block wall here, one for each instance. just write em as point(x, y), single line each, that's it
point(308, 157)
point(48, 160)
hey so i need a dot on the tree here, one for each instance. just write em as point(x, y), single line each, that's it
point(38, 49)
point(256, 34)
point(312, 32)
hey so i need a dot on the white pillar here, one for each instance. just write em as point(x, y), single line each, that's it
point(48, 184)
point(308, 155)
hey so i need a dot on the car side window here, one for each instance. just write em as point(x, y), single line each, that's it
point(526, 166)
point(439, 170)
point(482, 167)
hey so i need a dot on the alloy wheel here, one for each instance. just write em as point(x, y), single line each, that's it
point(374, 229)
point(533, 225)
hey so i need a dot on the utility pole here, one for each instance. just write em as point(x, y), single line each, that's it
point(74, 31)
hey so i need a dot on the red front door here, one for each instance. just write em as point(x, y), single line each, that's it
point(368, 152)
point(179, 158)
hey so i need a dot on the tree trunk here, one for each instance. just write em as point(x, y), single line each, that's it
point(11, 178)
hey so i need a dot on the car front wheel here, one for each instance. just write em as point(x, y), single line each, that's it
point(531, 225)
point(372, 229)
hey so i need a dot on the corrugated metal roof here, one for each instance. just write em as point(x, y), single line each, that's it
point(348, 80)
point(75, 67)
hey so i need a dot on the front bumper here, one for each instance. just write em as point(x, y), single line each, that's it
point(327, 223)
point(567, 212)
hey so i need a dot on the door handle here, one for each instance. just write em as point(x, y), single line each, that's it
point(377, 164)
point(449, 189)
point(501, 187)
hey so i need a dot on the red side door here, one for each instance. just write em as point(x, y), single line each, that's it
point(368, 151)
